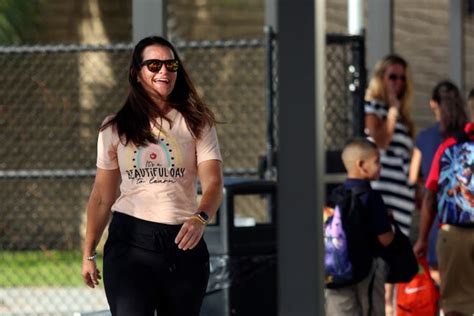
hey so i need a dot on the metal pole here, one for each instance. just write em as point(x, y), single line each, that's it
point(456, 41)
point(355, 14)
point(148, 18)
point(301, 73)
point(379, 30)
point(358, 85)
point(270, 171)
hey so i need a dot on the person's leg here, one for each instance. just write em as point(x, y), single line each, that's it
point(127, 281)
point(363, 292)
point(389, 308)
point(455, 249)
point(342, 302)
point(133, 265)
point(184, 288)
point(378, 291)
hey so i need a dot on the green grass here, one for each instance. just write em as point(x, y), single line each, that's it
point(41, 268)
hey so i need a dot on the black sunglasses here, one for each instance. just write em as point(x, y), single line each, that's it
point(394, 77)
point(154, 65)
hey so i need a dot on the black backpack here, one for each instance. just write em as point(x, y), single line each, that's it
point(400, 258)
point(349, 246)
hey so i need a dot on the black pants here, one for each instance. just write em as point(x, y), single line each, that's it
point(145, 271)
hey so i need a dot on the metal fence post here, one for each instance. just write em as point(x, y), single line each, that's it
point(358, 84)
point(270, 170)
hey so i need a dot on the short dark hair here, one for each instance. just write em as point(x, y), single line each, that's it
point(356, 148)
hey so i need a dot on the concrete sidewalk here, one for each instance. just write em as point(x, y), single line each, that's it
point(52, 301)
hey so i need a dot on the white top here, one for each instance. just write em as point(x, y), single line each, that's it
point(158, 180)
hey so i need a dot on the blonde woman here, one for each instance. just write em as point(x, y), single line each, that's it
point(388, 123)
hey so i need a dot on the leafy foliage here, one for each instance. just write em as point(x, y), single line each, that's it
point(18, 21)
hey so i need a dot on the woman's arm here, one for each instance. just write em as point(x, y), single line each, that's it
point(103, 195)
point(426, 221)
point(415, 179)
point(382, 130)
point(415, 165)
point(210, 175)
point(386, 238)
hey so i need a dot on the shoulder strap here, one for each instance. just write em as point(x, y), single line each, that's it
point(356, 203)
point(463, 136)
point(357, 190)
point(342, 195)
point(337, 194)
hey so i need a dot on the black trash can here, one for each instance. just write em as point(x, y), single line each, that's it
point(243, 278)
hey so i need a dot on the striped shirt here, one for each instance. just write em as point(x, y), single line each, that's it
point(398, 195)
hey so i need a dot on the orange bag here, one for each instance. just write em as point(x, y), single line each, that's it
point(420, 295)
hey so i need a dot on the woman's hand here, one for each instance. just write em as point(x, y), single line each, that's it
point(90, 273)
point(393, 100)
point(210, 175)
point(190, 234)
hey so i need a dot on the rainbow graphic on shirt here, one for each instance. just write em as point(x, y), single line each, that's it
point(155, 163)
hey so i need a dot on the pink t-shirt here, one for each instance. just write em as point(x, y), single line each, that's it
point(158, 180)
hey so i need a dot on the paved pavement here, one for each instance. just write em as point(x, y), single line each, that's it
point(52, 301)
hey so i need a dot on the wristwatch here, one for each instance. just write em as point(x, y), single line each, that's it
point(203, 215)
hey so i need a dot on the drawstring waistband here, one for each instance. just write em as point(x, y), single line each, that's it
point(148, 235)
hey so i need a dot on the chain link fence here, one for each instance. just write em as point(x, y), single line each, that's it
point(53, 101)
point(344, 108)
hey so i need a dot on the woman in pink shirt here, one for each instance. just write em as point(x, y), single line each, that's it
point(149, 156)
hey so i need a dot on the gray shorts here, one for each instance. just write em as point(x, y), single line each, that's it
point(354, 300)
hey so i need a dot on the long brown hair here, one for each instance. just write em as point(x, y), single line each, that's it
point(453, 115)
point(138, 111)
point(376, 90)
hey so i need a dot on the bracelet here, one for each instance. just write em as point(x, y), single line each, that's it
point(92, 258)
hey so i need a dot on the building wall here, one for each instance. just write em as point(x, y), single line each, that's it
point(468, 53)
point(420, 34)
point(336, 16)
point(215, 20)
point(63, 21)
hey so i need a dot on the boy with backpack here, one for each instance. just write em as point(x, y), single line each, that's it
point(451, 191)
point(354, 223)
